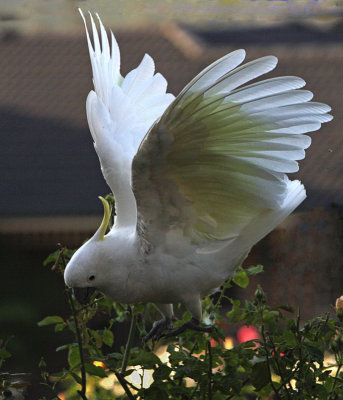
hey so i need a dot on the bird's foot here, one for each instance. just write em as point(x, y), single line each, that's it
point(158, 328)
point(192, 324)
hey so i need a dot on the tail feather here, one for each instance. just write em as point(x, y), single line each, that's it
point(228, 257)
point(268, 220)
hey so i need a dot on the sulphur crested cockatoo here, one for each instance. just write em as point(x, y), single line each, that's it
point(198, 179)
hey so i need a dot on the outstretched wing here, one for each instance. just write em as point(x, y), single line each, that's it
point(214, 165)
point(120, 111)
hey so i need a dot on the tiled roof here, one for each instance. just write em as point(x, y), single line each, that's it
point(47, 159)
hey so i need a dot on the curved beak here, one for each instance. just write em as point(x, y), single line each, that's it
point(83, 295)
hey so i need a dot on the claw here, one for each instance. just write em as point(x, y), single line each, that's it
point(158, 328)
point(192, 324)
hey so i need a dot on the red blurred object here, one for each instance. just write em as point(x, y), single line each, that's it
point(276, 351)
point(246, 333)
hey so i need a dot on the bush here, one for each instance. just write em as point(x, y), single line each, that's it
point(286, 359)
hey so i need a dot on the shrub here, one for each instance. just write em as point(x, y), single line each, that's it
point(286, 359)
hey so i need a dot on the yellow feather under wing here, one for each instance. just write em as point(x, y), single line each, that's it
point(226, 191)
point(217, 159)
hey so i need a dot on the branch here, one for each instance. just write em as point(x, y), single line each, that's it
point(123, 383)
point(81, 392)
point(209, 370)
point(129, 342)
point(276, 391)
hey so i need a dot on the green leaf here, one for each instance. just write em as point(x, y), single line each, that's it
point(74, 356)
point(254, 270)
point(98, 338)
point(176, 356)
point(260, 375)
point(146, 359)
point(76, 377)
point(108, 337)
point(314, 352)
point(128, 372)
point(321, 391)
point(51, 320)
point(155, 392)
point(96, 371)
point(270, 315)
point(138, 308)
point(4, 353)
point(241, 278)
point(60, 327)
point(115, 356)
point(235, 314)
point(179, 392)
point(51, 258)
point(286, 307)
point(106, 302)
point(290, 339)
point(42, 364)
point(63, 347)
point(162, 372)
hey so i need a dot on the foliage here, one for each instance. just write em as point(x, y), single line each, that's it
point(10, 383)
point(287, 359)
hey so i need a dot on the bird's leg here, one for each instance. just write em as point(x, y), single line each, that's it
point(158, 328)
point(161, 325)
point(193, 304)
point(193, 324)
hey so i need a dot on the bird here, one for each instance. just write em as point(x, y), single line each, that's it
point(198, 178)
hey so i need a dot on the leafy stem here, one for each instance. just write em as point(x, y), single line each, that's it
point(124, 385)
point(265, 345)
point(129, 342)
point(339, 367)
point(210, 366)
point(81, 392)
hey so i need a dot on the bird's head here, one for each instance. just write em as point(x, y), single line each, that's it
point(89, 267)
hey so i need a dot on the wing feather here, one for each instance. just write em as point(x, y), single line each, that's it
point(216, 161)
point(118, 116)
point(212, 73)
point(242, 75)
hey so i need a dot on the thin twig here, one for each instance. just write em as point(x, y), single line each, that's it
point(221, 296)
point(301, 361)
point(276, 391)
point(89, 305)
point(339, 366)
point(81, 392)
point(319, 332)
point(123, 383)
point(181, 350)
point(283, 381)
point(129, 342)
point(59, 256)
point(209, 370)
point(51, 387)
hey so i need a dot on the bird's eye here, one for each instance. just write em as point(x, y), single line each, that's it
point(91, 277)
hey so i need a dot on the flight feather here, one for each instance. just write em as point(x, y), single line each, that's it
point(215, 164)
point(120, 111)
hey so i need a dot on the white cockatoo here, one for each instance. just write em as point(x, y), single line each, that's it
point(198, 179)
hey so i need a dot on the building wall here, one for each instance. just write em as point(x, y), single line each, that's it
point(303, 262)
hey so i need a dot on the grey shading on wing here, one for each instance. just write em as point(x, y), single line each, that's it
point(217, 159)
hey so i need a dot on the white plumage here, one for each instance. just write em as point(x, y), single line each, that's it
point(197, 179)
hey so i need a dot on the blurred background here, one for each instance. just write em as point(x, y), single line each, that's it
point(50, 176)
